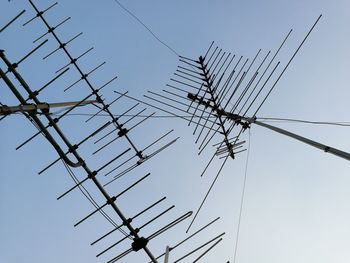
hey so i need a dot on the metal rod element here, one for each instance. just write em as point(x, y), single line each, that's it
point(250, 82)
point(251, 93)
point(187, 78)
point(50, 82)
point(106, 106)
point(130, 219)
point(205, 252)
point(133, 116)
point(155, 234)
point(210, 66)
point(204, 145)
point(120, 256)
point(15, 65)
point(148, 208)
point(166, 104)
point(173, 100)
point(133, 185)
point(51, 29)
point(184, 83)
point(208, 164)
point(108, 82)
point(85, 76)
point(74, 187)
point(111, 161)
point(143, 120)
point(156, 107)
point(224, 91)
point(240, 98)
point(105, 235)
point(193, 66)
point(189, 70)
point(12, 20)
point(170, 225)
point(74, 60)
point(199, 122)
point(147, 147)
point(224, 149)
point(114, 198)
point(176, 95)
point(41, 13)
point(190, 75)
point(195, 111)
point(190, 59)
point(262, 87)
point(123, 131)
point(120, 115)
point(217, 64)
point(156, 217)
point(63, 45)
point(291, 59)
point(89, 215)
point(189, 106)
point(268, 66)
point(157, 140)
point(223, 64)
point(141, 161)
point(212, 55)
point(236, 88)
point(207, 194)
point(212, 43)
point(226, 84)
point(223, 95)
point(198, 248)
point(189, 237)
point(112, 246)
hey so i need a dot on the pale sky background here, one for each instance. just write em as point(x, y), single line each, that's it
point(296, 206)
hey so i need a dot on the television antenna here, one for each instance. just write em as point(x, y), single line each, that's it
point(220, 94)
point(130, 157)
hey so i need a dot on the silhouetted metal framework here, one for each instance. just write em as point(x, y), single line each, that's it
point(38, 113)
point(223, 94)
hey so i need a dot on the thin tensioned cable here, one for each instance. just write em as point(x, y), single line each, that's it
point(85, 192)
point(88, 196)
point(242, 201)
point(262, 119)
point(337, 123)
point(147, 28)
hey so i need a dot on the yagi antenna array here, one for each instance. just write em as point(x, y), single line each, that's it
point(223, 93)
point(103, 136)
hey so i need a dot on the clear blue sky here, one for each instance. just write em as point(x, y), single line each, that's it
point(297, 198)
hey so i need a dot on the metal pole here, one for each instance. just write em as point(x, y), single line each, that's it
point(323, 147)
